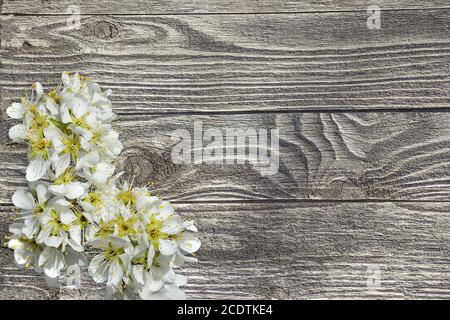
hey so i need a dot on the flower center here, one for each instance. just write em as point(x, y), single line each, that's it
point(154, 232)
point(111, 252)
point(93, 199)
point(39, 147)
point(126, 227)
point(106, 229)
point(71, 146)
point(127, 197)
point(66, 177)
point(57, 224)
point(39, 121)
point(54, 95)
point(39, 209)
point(81, 122)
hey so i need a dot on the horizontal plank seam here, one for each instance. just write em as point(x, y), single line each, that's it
point(274, 111)
point(289, 200)
point(255, 201)
point(255, 112)
point(222, 13)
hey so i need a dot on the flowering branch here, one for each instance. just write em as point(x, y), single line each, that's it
point(74, 201)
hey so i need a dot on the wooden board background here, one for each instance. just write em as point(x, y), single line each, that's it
point(364, 177)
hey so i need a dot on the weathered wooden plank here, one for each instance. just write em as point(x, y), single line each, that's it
point(298, 250)
point(334, 156)
point(207, 6)
point(218, 63)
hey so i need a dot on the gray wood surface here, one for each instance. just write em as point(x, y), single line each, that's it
point(298, 250)
point(209, 6)
point(364, 135)
point(334, 156)
point(282, 62)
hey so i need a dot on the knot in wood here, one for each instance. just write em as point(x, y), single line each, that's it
point(26, 45)
point(105, 30)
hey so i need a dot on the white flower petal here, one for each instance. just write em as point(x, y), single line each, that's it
point(42, 192)
point(167, 247)
point(189, 242)
point(75, 82)
point(99, 243)
point(139, 251)
point(75, 245)
point(115, 273)
point(53, 241)
point(75, 258)
point(75, 234)
point(15, 111)
point(102, 172)
point(53, 134)
point(52, 260)
point(189, 225)
point(85, 144)
point(18, 133)
point(36, 169)
point(172, 225)
point(21, 256)
point(169, 276)
point(138, 272)
point(15, 244)
point(58, 189)
point(118, 242)
point(74, 190)
point(89, 160)
point(172, 292)
point(165, 210)
point(23, 199)
point(180, 280)
point(31, 228)
point(61, 164)
point(99, 99)
point(52, 107)
point(65, 79)
point(190, 259)
point(79, 105)
point(39, 90)
point(65, 115)
point(116, 147)
point(154, 283)
point(45, 218)
point(67, 217)
point(16, 228)
point(177, 259)
point(61, 203)
point(99, 268)
point(151, 254)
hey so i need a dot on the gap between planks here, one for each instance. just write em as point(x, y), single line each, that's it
point(4, 206)
point(275, 111)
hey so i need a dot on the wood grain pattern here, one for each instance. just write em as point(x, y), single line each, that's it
point(297, 250)
point(207, 6)
point(239, 63)
point(334, 156)
point(363, 116)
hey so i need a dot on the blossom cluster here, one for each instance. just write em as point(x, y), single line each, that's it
point(74, 201)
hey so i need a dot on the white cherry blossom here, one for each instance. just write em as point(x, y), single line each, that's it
point(74, 200)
